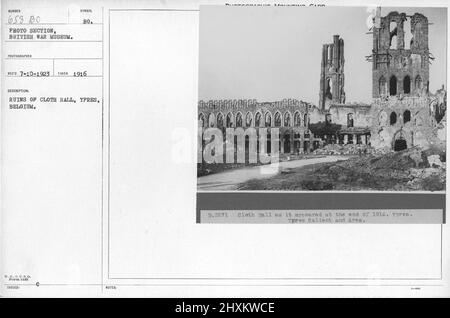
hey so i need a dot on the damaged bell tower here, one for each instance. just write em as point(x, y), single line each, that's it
point(401, 116)
point(332, 74)
point(400, 55)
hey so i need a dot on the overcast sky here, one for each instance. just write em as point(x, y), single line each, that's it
point(271, 53)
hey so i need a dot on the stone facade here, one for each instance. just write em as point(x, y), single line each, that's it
point(290, 116)
point(350, 115)
point(400, 123)
point(400, 65)
point(353, 121)
point(402, 111)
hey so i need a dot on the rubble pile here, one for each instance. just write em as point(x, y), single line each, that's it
point(411, 169)
point(348, 149)
point(408, 170)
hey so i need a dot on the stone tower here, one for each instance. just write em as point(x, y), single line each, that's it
point(401, 116)
point(400, 55)
point(332, 74)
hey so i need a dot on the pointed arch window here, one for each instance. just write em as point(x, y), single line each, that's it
point(229, 122)
point(350, 120)
point(297, 119)
point(277, 119)
point(239, 120)
point(287, 119)
point(211, 120)
point(393, 86)
point(393, 118)
point(258, 119)
point(406, 116)
point(268, 120)
point(248, 119)
point(201, 118)
point(407, 84)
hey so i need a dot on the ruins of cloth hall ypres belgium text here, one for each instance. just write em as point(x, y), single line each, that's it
point(403, 119)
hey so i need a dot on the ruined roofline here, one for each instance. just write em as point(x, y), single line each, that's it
point(400, 18)
point(352, 104)
point(403, 14)
point(251, 99)
point(252, 102)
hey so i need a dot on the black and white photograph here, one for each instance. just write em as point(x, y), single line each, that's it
point(322, 98)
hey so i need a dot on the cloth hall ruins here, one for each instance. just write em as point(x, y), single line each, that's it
point(403, 112)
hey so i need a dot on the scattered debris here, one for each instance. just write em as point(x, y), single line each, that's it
point(407, 170)
point(434, 160)
point(349, 149)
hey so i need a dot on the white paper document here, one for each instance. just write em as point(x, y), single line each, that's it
point(224, 149)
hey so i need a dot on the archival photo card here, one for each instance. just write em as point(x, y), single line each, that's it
point(210, 148)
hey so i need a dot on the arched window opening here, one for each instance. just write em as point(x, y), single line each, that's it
point(407, 85)
point(248, 119)
point(211, 120)
point(229, 122)
point(239, 120)
point(297, 119)
point(393, 86)
point(247, 147)
point(277, 119)
point(305, 120)
point(268, 120)
point(406, 116)
point(219, 120)
point(287, 143)
point(350, 120)
point(407, 33)
point(393, 118)
point(382, 86)
point(269, 142)
point(287, 119)
point(329, 89)
point(201, 119)
point(258, 119)
point(393, 35)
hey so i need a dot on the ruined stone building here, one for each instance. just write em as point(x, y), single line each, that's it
point(400, 55)
point(290, 116)
point(352, 119)
point(403, 112)
point(332, 73)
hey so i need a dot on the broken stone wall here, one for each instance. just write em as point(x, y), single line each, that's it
point(407, 118)
point(398, 69)
point(340, 114)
